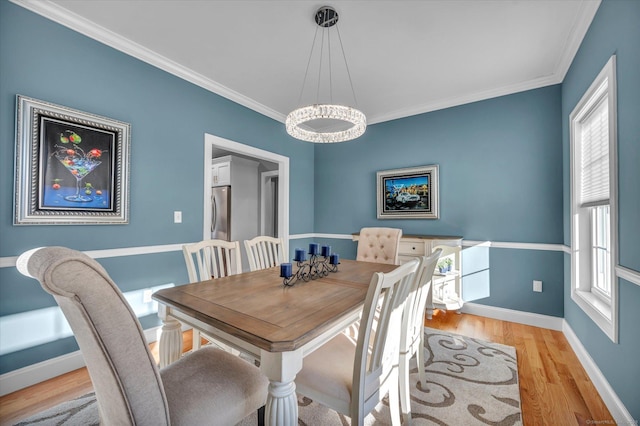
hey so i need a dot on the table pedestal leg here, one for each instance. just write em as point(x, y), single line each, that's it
point(170, 347)
point(282, 403)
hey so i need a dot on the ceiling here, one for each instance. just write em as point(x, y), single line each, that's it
point(404, 57)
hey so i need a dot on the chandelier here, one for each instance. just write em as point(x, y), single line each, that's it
point(326, 122)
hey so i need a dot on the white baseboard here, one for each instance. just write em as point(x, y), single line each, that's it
point(617, 409)
point(45, 370)
point(527, 318)
point(36, 373)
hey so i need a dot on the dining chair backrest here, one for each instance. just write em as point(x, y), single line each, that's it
point(412, 336)
point(210, 259)
point(130, 389)
point(264, 252)
point(377, 349)
point(413, 319)
point(379, 245)
point(351, 375)
point(127, 382)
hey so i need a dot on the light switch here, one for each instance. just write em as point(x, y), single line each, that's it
point(177, 217)
point(537, 286)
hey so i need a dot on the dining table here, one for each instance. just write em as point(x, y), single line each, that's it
point(255, 313)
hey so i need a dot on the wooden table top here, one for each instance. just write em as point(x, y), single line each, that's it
point(257, 308)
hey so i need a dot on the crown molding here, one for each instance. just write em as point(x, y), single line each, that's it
point(90, 29)
point(77, 23)
point(588, 9)
point(467, 99)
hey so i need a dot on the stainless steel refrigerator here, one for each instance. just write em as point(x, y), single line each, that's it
point(221, 213)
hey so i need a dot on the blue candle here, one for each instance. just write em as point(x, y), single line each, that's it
point(300, 255)
point(334, 259)
point(285, 270)
point(313, 248)
point(326, 251)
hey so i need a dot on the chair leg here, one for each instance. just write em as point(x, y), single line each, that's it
point(261, 412)
point(394, 403)
point(405, 390)
point(196, 340)
point(422, 374)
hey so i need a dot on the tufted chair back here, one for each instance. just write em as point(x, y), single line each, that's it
point(379, 245)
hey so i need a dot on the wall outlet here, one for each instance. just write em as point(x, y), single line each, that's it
point(177, 217)
point(537, 286)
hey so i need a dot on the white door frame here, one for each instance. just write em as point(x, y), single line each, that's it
point(211, 141)
point(264, 179)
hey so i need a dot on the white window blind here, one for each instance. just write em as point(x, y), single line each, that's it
point(594, 137)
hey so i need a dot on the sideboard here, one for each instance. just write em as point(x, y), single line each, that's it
point(446, 288)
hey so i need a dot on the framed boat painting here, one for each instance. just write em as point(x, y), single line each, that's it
point(410, 193)
point(71, 167)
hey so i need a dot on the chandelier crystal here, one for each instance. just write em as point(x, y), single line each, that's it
point(298, 121)
point(303, 115)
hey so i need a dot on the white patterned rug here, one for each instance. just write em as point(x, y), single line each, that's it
point(470, 382)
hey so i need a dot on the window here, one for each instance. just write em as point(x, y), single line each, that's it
point(594, 202)
point(601, 253)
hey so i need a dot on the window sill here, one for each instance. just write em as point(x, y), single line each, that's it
point(597, 310)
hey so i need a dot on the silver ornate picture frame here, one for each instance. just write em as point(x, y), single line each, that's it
point(410, 193)
point(71, 167)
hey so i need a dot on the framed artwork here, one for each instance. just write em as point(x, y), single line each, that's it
point(408, 193)
point(72, 167)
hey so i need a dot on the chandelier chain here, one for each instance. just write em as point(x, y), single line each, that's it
point(306, 72)
point(353, 92)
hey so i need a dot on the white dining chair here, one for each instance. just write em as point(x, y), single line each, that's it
point(352, 376)
point(379, 245)
point(202, 387)
point(211, 259)
point(412, 336)
point(264, 252)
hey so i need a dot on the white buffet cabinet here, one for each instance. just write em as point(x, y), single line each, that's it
point(446, 288)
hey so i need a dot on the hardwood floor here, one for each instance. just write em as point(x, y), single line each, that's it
point(554, 388)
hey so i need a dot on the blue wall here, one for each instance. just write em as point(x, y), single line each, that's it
point(503, 175)
point(500, 170)
point(168, 117)
point(614, 30)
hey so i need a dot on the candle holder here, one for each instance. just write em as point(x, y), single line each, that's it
point(317, 266)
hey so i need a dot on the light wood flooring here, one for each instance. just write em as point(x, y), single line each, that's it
point(554, 388)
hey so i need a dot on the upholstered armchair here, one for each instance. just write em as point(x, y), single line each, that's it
point(379, 245)
point(208, 386)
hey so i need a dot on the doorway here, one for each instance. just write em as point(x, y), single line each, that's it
point(278, 182)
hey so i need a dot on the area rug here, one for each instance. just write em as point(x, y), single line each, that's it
point(470, 382)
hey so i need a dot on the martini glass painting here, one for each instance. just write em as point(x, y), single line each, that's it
point(78, 162)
